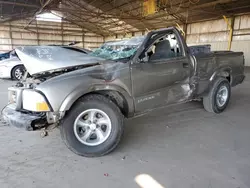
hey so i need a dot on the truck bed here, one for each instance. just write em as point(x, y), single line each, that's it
point(208, 64)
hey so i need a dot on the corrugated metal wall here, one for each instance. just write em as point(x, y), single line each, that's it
point(216, 33)
point(13, 34)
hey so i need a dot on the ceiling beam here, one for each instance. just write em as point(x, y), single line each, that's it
point(101, 29)
point(193, 7)
point(119, 10)
point(17, 17)
point(19, 4)
point(77, 23)
point(80, 21)
point(39, 11)
point(93, 14)
point(99, 14)
point(210, 4)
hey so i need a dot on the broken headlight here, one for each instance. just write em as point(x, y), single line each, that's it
point(34, 101)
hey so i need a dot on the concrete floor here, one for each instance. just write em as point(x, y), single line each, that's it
point(180, 146)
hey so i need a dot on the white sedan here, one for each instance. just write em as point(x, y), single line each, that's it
point(12, 68)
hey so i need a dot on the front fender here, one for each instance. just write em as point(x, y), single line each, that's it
point(76, 94)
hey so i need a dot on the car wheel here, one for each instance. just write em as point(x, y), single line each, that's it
point(17, 72)
point(93, 127)
point(218, 97)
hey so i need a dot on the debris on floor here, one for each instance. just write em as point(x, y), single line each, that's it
point(44, 133)
point(143, 161)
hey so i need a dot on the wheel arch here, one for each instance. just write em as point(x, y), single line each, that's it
point(225, 72)
point(117, 94)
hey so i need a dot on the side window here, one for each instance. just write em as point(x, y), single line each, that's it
point(164, 47)
point(175, 46)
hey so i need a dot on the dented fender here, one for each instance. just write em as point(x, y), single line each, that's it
point(76, 94)
point(222, 72)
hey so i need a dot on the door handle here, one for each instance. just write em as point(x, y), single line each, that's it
point(185, 65)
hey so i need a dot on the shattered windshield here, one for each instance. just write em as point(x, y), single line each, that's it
point(119, 49)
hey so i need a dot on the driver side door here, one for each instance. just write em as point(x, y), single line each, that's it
point(160, 82)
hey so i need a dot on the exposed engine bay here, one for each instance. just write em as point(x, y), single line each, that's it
point(29, 81)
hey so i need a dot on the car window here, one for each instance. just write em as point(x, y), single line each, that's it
point(164, 47)
point(117, 50)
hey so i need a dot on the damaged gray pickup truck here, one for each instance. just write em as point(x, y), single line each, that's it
point(88, 95)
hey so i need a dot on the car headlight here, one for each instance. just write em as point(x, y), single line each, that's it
point(34, 101)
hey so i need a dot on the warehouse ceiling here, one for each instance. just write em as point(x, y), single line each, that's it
point(109, 17)
point(18, 9)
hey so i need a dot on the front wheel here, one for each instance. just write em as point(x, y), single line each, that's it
point(218, 97)
point(18, 72)
point(93, 127)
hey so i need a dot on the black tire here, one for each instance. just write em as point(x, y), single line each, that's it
point(89, 102)
point(20, 68)
point(209, 101)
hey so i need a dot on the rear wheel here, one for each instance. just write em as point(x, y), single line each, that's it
point(218, 97)
point(93, 127)
point(18, 72)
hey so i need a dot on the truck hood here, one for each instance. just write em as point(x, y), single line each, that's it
point(39, 59)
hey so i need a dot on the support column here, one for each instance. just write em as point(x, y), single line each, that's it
point(181, 30)
point(83, 43)
point(185, 31)
point(230, 24)
point(11, 39)
point(37, 35)
point(62, 41)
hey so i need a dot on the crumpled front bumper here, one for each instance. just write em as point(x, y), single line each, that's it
point(20, 119)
